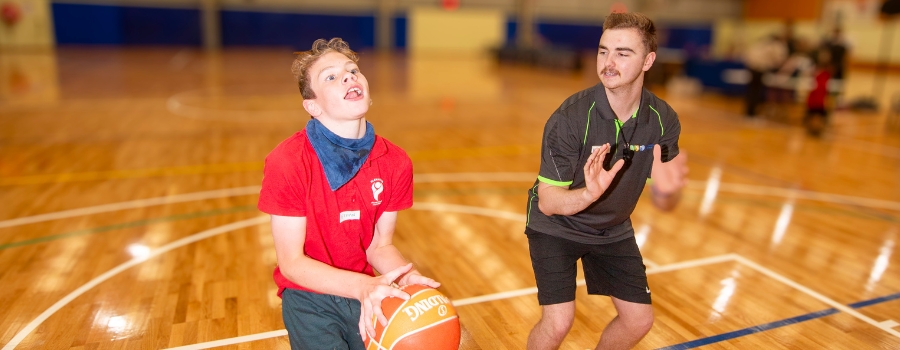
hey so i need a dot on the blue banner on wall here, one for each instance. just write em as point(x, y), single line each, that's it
point(243, 28)
point(121, 25)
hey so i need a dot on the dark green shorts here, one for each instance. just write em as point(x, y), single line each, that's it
point(321, 321)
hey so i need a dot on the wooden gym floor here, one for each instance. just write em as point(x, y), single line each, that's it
point(129, 179)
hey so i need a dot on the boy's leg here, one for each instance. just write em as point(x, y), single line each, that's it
point(321, 321)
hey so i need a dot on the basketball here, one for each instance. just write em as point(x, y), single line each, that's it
point(426, 321)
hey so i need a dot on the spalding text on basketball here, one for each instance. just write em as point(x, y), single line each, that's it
point(422, 306)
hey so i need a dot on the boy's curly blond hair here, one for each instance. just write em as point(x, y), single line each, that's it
point(305, 60)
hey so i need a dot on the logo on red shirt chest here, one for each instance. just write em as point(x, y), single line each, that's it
point(377, 188)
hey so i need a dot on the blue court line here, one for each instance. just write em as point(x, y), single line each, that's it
point(875, 301)
point(764, 327)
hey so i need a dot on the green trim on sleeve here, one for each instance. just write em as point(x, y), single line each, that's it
point(662, 130)
point(553, 182)
point(584, 142)
point(530, 200)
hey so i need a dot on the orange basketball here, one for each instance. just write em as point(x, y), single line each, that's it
point(426, 321)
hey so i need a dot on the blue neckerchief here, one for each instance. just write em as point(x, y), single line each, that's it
point(341, 158)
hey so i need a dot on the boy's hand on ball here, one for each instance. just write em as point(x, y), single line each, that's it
point(375, 289)
point(413, 277)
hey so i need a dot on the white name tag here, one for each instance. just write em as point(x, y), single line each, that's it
point(350, 215)
point(594, 148)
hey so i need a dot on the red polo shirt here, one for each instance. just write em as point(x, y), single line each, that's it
point(339, 224)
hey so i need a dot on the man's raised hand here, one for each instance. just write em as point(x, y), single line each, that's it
point(597, 179)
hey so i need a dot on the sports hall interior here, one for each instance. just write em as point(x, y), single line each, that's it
point(133, 135)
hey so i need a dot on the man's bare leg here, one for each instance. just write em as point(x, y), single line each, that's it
point(549, 332)
point(628, 328)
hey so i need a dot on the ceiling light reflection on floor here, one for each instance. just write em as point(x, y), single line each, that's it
point(784, 220)
point(721, 304)
point(712, 189)
point(139, 251)
point(881, 262)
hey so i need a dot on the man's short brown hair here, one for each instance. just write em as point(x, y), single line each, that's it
point(636, 21)
point(306, 59)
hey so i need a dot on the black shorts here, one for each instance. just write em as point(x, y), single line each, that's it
point(321, 321)
point(616, 269)
point(821, 111)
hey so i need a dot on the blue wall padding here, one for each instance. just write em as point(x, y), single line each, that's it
point(126, 25)
point(295, 30)
point(121, 25)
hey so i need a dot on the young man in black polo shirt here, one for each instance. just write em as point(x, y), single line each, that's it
point(599, 148)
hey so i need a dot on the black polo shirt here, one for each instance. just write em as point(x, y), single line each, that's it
point(586, 120)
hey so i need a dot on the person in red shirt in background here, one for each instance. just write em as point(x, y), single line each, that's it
point(334, 190)
point(816, 116)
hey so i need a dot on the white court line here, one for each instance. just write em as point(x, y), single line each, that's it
point(500, 214)
point(442, 177)
point(801, 194)
point(810, 292)
point(215, 231)
point(581, 282)
point(497, 296)
point(241, 191)
point(174, 105)
point(692, 263)
point(886, 325)
point(447, 177)
point(457, 303)
point(140, 203)
point(118, 269)
point(232, 341)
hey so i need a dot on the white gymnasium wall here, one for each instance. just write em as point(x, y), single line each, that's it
point(463, 30)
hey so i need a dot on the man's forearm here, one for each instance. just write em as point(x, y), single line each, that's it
point(665, 201)
point(554, 200)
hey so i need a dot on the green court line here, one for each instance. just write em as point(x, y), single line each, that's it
point(446, 192)
point(228, 168)
point(124, 225)
point(469, 191)
point(131, 174)
point(686, 195)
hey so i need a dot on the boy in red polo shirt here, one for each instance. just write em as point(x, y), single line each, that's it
point(333, 190)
